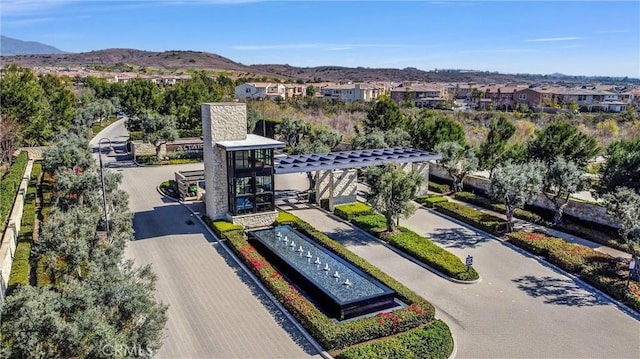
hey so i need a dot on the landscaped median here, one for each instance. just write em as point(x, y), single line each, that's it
point(333, 336)
point(409, 242)
point(484, 221)
point(603, 271)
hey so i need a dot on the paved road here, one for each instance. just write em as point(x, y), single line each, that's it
point(522, 308)
point(215, 310)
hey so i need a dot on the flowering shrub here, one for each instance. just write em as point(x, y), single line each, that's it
point(601, 270)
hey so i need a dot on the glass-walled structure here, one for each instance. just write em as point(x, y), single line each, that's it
point(250, 181)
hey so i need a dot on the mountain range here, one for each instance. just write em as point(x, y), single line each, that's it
point(31, 54)
point(11, 47)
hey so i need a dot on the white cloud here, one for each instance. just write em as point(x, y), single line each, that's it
point(551, 39)
point(26, 7)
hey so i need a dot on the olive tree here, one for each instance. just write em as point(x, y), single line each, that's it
point(515, 185)
point(623, 205)
point(158, 130)
point(291, 131)
point(458, 161)
point(391, 190)
point(562, 179)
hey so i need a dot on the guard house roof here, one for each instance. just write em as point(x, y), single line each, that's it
point(350, 159)
point(252, 142)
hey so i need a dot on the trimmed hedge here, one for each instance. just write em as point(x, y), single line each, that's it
point(332, 335)
point(471, 216)
point(437, 187)
point(9, 186)
point(485, 202)
point(418, 247)
point(601, 270)
point(20, 269)
point(430, 253)
point(348, 211)
point(430, 200)
point(431, 342)
point(221, 227)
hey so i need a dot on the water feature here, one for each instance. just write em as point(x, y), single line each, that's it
point(340, 288)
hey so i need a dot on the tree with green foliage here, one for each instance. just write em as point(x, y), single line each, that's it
point(458, 161)
point(310, 91)
point(319, 139)
point(140, 96)
point(69, 152)
point(562, 179)
point(515, 185)
point(381, 139)
point(23, 99)
point(384, 115)
point(622, 168)
point(253, 117)
point(623, 204)
point(62, 100)
point(431, 128)
point(492, 152)
point(563, 139)
point(291, 131)
point(391, 190)
point(158, 130)
point(184, 99)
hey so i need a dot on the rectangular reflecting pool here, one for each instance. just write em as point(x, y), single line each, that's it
point(340, 288)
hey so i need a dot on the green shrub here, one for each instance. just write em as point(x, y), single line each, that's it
point(348, 211)
point(476, 218)
point(330, 334)
point(9, 185)
point(430, 342)
point(135, 135)
point(220, 227)
point(285, 218)
point(430, 253)
point(190, 133)
point(485, 202)
point(430, 200)
point(324, 203)
point(437, 187)
point(372, 222)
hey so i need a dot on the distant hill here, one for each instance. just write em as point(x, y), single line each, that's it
point(131, 60)
point(11, 47)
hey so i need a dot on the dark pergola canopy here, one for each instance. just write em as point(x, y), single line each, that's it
point(350, 159)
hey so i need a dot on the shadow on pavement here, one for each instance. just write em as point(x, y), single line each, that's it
point(458, 238)
point(164, 221)
point(349, 237)
point(558, 291)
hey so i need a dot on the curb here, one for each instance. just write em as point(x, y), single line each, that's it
point(400, 252)
point(256, 281)
point(623, 307)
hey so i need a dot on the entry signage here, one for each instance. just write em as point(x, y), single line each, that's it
point(184, 147)
point(469, 261)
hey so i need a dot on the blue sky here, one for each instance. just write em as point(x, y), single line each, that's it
point(571, 37)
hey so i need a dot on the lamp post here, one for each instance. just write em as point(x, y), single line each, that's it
point(104, 191)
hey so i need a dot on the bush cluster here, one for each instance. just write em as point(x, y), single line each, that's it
point(601, 270)
point(471, 216)
point(417, 246)
point(221, 227)
point(348, 211)
point(9, 186)
point(437, 187)
point(330, 334)
point(430, 200)
point(485, 202)
point(431, 342)
point(20, 269)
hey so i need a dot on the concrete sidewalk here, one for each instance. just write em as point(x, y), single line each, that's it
point(522, 307)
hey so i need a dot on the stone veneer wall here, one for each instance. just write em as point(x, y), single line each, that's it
point(10, 236)
point(344, 182)
point(423, 169)
point(255, 220)
point(578, 209)
point(221, 121)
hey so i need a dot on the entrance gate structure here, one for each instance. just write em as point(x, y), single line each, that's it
point(335, 174)
point(239, 168)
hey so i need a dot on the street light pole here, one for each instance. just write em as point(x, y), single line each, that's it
point(104, 191)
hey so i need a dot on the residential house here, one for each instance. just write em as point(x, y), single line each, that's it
point(294, 90)
point(360, 92)
point(420, 95)
point(535, 97)
point(260, 91)
point(497, 96)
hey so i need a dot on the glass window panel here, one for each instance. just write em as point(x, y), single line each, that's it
point(244, 185)
point(264, 184)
